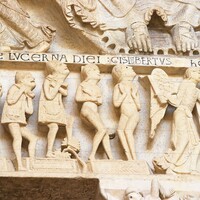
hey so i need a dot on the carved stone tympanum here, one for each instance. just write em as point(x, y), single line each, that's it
point(183, 155)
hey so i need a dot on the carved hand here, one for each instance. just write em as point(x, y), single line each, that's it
point(64, 86)
point(162, 99)
point(138, 38)
point(29, 93)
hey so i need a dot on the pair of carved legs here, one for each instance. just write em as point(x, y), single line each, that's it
point(18, 131)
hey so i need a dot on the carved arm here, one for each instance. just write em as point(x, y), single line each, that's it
point(14, 94)
point(29, 105)
point(49, 91)
point(118, 97)
point(81, 96)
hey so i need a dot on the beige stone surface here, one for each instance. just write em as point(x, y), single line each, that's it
point(148, 47)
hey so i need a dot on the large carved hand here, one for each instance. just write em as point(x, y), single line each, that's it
point(138, 38)
point(184, 37)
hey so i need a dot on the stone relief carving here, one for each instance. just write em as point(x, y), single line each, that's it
point(51, 107)
point(18, 104)
point(183, 155)
point(117, 27)
point(19, 32)
point(89, 94)
point(126, 98)
point(157, 191)
point(129, 26)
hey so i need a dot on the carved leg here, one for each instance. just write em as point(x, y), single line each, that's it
point(69, 127)
point(194, 159)
point(121, 133)
point(96, 141)
point(53, 129)
point(15, 131)
point(94, 118)
point(180, 131)
point(131, 125)
point(106, 145)
point(32, 141)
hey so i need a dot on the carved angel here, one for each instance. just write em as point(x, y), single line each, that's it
point(160, 89)
point(185, 144)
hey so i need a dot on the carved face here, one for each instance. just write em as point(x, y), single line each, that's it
point(93, 74)
point(29, 81)
point(62, 69)
point(193, 73)
point(196, 75)
point(133, 196)
point(128, 73)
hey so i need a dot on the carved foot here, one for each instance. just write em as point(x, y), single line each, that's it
point(184, 37)
point(49, 154)
point(138, 38)
point(21, 168)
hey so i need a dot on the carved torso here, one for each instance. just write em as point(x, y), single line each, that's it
point(16, 112)
point(51, 110)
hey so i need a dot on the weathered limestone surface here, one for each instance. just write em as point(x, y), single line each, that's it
point(99, 99)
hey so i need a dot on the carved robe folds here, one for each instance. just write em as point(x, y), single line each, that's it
point(18, 27)
point(104, 14)
point(51, 108)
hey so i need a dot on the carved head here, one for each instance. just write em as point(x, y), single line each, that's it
point(193, 73)
point(121, 72)
point(26, 79)
point(56, 67)
point(90, 71)
point(131, 194)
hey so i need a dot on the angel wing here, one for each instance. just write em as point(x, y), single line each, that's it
point(160, 89)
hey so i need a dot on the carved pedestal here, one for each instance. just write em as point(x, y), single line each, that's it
point(119, 167)
point(51, 165)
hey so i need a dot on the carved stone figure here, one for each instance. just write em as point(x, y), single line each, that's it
point(183, 155)
point(130, 19)
point(111, 17)
point(51, 107)
point(89, 94)
point(18, 104)
point(182, 19)
point(157, 192)
point(178, 15)
point(126, 97)
point(19, 31)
